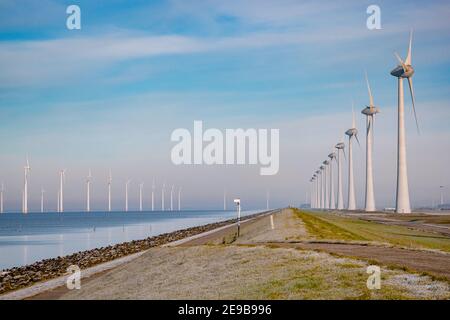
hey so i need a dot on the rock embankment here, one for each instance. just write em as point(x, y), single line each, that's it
point(20, 277)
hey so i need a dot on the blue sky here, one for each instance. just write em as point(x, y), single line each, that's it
point(110, 94)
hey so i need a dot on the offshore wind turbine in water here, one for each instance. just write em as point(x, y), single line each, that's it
point(27, 169)
point(369, 111)
point(403, 71)
point(62, 178)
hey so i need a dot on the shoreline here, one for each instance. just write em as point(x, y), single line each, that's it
point(42, 271)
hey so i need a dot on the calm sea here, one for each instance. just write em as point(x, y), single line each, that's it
point(25, 239)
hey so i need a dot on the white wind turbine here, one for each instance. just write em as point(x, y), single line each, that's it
point(369, 111)
point(179, 199)
point(267, 199)
point(318, 189)
point(62, 176)
point(404, 70)
point(224, 199)
point(1, 197)
point(322, 185)
point(27, 169)
point(171, 197)
point(352, 132)
point(325, 173)
point(153, 195)
point(141, 187)
point(42, 199)
point(127, 183)
point(311, 200)
point(332, 156)
point(109, 190)
point(88, 191)
point(340, 192)
point(162, 196)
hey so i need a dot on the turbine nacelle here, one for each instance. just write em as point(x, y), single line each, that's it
point(403, 71)
point(351, 132)
point(332, 155)
point(326, 162)
point(340, 146)
point(370, 111)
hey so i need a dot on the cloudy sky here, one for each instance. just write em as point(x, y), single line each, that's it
point(110, 95)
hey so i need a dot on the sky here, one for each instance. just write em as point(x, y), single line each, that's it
point(108, 96)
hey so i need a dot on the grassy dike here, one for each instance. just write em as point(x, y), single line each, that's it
point(265, 262)
point(325, 226)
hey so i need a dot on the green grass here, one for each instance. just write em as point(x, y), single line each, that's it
point(329, 226)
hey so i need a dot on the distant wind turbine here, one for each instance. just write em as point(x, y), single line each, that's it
point(332, 199)
point(369, 111)
point(126, 194)
point(1, 197)
point(179, 199)
point(325, 173)
point(27, 169)
point(224, 199)
point(62, 177)
point(109, 190)
point(42, 200)
point(171, 198)
point(318, 189)
point(162, 196)
point(352, 132)
point(340, 192)
point(402, 71)
point(88, 191)
point(153, 195)
point(322, 184)
point(267, 199)
point(141, 187)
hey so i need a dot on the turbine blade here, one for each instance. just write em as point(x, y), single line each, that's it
point(401, 61)
point(411, 89)
point(370, 93)
point(408, 57)
point(356, 136)
point(345, 156)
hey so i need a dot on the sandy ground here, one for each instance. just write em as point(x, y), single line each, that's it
point(265, 262)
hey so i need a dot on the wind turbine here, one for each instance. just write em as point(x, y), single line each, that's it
point(311, 200)
point(369, 111)
point(322, 185)
point(340, 192)
point(318, 189)
point(88, 191)
point(2, 189)
point(27, 169)
point(162, 196)
point(109, 190)
point(141, 186)
point(325, 171)
point(224, 199)
point(352, 132)
point(62, 176)
point(402, 71)
point(42, 200)
point(171, 198)
point(126, 194)
point(332, 156)
point(179, 199)
point(267, 199)
point(153, 195)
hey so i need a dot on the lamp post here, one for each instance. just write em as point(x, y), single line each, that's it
point(238, 204)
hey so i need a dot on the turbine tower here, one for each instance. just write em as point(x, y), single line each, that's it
point(162, 196)
point(311, 200)
point(322, 184)
point(369, 111)
point(325, 174)
point(153, 195)
point(62, 176)
point(332, 156)
point(42, 200)
point(179, 199)
point(340, 192)
point(224, 199)
point(126, 194)
point(141, 187)
point(27, 169)
point(2, 189)
point(109, 190)
point(352, 132)
point(318, 189)
point(171, 198)
point(267, 199)
point(88, 191)
point(402, 71)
